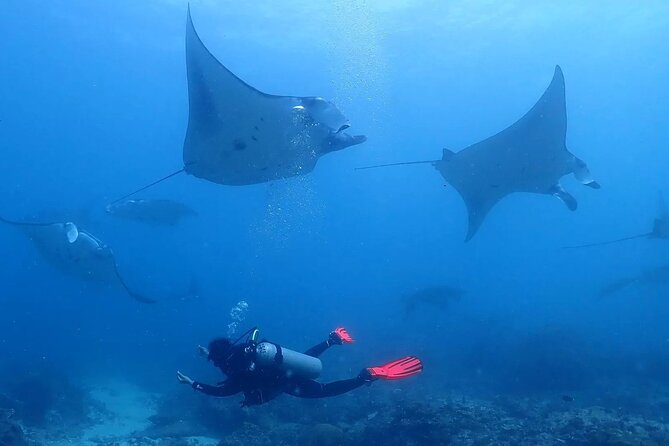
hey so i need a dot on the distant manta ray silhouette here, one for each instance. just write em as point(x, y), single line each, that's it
point(660, 229)
point(156, 212)
point(76, 252)
point(657, 276)
point(238, 135)
point(529, 156)
point(436, 298)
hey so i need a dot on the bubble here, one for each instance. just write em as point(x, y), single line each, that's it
point(238, 312)
point(360, 74)
point(237, 315)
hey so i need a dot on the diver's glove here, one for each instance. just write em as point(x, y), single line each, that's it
point(183, 379)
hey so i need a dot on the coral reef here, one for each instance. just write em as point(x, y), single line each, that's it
point(323, 434)
point(43, 396)
point(503, 421)
point(391, 416)
point(11, 433)
point(474, 422)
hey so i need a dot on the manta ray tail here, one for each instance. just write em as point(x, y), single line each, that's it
point(397, 164)
point(183, 169)
point(131, 293)
point(10, 222)
point(22, 223)
point(610, 242)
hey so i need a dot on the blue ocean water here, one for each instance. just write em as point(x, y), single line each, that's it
point(95, 104)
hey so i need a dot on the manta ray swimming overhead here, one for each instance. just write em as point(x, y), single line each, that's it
point(660, 229)
point(158, 212)
point(76, 252)
point(238, 135)
point(529, 156)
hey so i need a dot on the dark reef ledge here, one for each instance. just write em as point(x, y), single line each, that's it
point(391, 420)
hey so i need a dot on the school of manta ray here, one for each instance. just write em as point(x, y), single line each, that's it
point(238, 135)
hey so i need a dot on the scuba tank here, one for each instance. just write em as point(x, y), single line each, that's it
point(291, 362)
point(268, 354)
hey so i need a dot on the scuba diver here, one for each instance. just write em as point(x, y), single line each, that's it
point(263, 370)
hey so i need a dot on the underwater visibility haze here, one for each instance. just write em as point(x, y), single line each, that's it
point(467, 291)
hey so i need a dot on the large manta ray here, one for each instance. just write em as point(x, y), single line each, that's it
point(238, 135)
point(660, 229)
point(529, 156)
point(76, 252)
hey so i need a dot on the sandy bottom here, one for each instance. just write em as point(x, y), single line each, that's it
point(125, 411)
point(128, 406)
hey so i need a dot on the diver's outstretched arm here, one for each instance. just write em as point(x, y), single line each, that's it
point(227, 388)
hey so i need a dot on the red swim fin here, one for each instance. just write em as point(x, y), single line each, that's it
point(399, 369)
point(341, 336)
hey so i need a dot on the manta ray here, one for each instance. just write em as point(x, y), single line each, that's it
point(660, 229)
point(158, 212)
point(530, 156)
point(438, 298)
point(76, 252)
point(656, 276)
point(239, 135)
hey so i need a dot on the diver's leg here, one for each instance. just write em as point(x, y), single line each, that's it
point(318, 349)
point(398, 369)
point(338, 337)
point(314, 389)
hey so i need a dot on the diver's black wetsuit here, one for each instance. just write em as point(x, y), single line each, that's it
point(261, 384)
